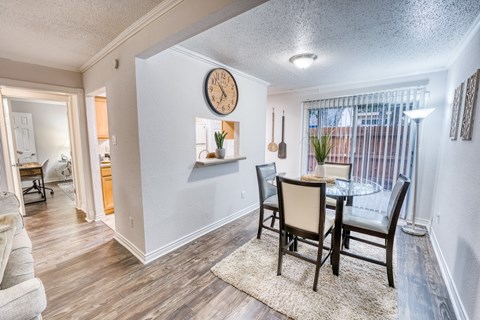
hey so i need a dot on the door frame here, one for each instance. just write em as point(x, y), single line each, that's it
point(74, 99)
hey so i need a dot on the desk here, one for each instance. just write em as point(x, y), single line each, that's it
point(33, 170)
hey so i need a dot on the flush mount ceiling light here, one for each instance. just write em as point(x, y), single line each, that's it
point(304, 60)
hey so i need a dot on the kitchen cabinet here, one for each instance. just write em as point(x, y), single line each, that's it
point(107, 190)
point(101, 118)
point(229, 128)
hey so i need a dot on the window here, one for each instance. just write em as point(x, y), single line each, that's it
point(368, 130)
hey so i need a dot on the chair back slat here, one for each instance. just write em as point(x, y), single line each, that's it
point(302, 204)
point(396, 200)
point(264, 172)
point(301, 207)
point(338, 170)
point(44, 165)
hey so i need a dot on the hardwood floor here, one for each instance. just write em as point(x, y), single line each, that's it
point(88, 275)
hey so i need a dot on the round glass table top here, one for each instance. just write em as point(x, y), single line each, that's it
point(354, 187)
point(343, 188)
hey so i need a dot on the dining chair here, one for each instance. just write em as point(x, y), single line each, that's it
point(377, 224)
point(339, 171)
point(303, 217)
point(267, 192)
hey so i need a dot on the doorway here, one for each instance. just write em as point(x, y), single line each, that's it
point(67, 154)
point(42, 136)
point(100, 144)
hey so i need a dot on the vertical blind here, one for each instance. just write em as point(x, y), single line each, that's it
point(368, 130)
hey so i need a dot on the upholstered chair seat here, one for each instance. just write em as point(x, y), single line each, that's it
point(267, 193)
point(331, 202)
point(377, 224)
point(271, 203)
point(366, 219)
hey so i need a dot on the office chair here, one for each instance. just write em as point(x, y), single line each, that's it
point(37, 185)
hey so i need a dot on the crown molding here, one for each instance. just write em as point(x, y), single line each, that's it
point(137, 26)
point(202, 58)
point(472, 31)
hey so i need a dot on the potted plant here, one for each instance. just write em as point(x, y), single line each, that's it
point(219, 139)
point(322, 147)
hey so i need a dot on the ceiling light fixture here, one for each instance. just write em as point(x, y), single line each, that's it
point(304, 60)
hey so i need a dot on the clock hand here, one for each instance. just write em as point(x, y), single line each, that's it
point(223, 91)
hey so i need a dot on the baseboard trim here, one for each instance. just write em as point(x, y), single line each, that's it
point(155, 254)
point(99, 216)
point(422, 222)
point(458, 307)
point(130, 247)
point(85, 213)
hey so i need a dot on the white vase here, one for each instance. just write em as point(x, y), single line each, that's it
point(320, 170)
point(220, 153)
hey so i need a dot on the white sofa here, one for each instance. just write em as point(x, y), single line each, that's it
point(22, 296)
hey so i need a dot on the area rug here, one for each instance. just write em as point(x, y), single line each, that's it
point(68, 188)
point(361, 290)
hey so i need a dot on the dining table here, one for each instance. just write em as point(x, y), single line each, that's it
point(341, 190)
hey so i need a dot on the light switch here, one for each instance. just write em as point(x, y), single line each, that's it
point(114, 139)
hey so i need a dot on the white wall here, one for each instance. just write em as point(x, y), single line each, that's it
point(39, 74)
point(179, 199)
point(50, 123)
point(292, 104)
point(186, 19)
point(457, 200)
point(292, 101)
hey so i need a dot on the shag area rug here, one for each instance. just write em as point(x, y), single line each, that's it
point(68, 188)
point(361, 290)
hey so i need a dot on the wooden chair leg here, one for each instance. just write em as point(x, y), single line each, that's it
point(291, 237)
point(390, 263)
point(331, 246)
point(260, 223)
point(274, 216)
point(318, 265)
point(280, 252)
point(346, 239)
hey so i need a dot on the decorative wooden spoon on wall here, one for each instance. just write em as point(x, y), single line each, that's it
point(282, 146)
point(272, 146)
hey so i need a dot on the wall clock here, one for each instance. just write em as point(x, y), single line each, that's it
point(221, 91)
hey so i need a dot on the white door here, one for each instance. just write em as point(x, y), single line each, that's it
point(24, 137)
point(9, 151)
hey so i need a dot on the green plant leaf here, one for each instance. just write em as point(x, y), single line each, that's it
point(322, 146)
point(219, 138)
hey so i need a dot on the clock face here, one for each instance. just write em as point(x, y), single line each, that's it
point(221, 91)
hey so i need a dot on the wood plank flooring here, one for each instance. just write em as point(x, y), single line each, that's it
point(88, 275)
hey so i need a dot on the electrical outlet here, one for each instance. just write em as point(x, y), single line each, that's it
point(114, 140)
point(242, 194)
point(131, 222)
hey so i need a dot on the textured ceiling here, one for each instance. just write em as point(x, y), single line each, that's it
point(64, 33)
point(355, 41)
